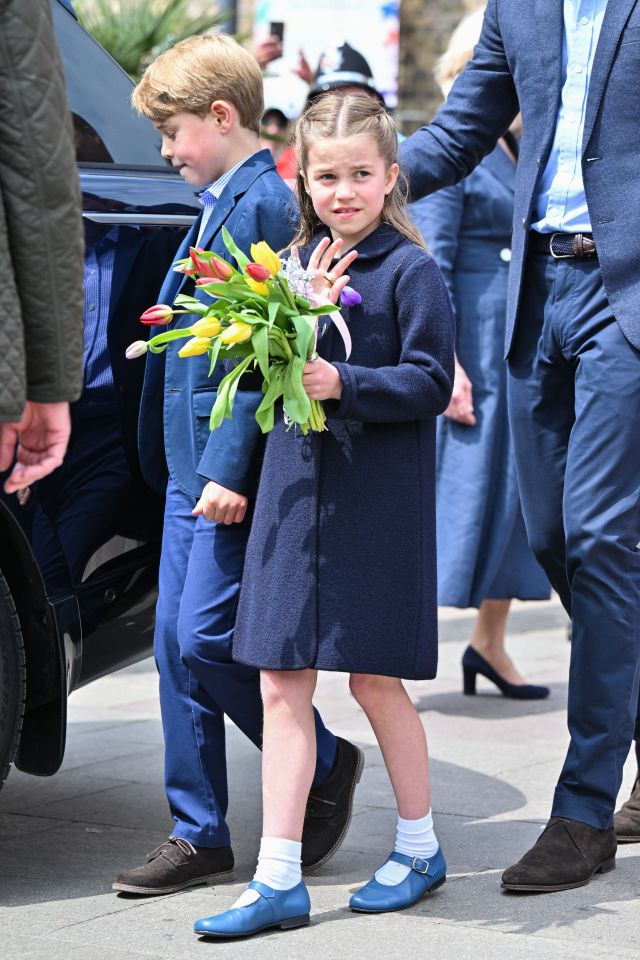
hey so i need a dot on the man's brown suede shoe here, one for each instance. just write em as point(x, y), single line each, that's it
point(626, 821)
point(567, 854)
point(175, 865)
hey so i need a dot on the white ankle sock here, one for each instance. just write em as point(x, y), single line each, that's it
point(414, 838)
point(278, 867)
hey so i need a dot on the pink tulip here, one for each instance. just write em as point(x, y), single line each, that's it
point(157, 316)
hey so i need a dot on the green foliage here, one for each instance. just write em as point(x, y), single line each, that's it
point(134, 32)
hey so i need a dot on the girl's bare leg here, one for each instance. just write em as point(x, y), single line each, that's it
point(288, 750)
point(402, 740)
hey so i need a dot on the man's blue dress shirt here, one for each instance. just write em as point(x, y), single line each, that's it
point(560, 203)
point(98, 275)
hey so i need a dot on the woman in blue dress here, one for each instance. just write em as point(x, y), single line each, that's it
point(483, 556)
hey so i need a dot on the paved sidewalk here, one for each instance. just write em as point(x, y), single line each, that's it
point(493, 762)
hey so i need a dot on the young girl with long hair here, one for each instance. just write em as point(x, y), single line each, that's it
point(340, 566)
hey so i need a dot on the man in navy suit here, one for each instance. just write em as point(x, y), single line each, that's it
point(213, 477)
point(99, 489)
point(573, 341)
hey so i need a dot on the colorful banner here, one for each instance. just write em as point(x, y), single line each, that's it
point(370, 27)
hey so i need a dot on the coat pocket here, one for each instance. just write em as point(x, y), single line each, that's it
point(202, 404)
point(630, 35)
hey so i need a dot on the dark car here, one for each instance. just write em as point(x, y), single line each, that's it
point(79, 551)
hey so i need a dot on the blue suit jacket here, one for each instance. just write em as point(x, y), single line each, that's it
point(178, 394)
point(518, 60)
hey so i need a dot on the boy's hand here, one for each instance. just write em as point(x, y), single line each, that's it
point(321, 380)
point(222, 505)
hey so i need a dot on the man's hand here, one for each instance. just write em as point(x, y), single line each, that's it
point(267, 50)
point(461, 406)
point(222, 505)
point(321, 380)
point(39, 443)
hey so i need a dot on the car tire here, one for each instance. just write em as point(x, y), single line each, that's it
point(13, 679)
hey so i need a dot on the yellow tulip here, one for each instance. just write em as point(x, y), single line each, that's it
point(237, 332)
point(206, 327)
point(263, 254)
point(194, 347)
point(257, 286)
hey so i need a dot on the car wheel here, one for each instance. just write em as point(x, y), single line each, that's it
point(13, 679)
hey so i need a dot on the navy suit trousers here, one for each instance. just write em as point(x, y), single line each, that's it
point(574, 397)
point(199, 584)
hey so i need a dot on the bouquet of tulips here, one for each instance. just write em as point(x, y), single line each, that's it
point(264, 314)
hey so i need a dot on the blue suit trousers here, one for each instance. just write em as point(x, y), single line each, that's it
point(574, 398)
point(199, 584)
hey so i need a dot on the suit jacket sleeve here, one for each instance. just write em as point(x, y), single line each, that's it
point(480, 108)
point(41, 197)
point(233, 452)
point(420, 385)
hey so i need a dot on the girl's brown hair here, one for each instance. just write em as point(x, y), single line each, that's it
point(336, 115)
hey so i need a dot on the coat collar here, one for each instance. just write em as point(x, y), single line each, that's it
point(377, 244)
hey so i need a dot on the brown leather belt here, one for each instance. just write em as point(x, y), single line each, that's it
point(562, 246)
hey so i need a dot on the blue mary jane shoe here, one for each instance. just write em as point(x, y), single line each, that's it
point(425, 877)
point(273, 908)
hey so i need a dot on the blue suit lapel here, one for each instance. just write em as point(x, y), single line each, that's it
point(127, 246)
point(615, 17)
point(173, 281)
point(253, 168)
point(550, 23)
point(223, 207)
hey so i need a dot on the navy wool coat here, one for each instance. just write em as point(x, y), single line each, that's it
point(340, 569)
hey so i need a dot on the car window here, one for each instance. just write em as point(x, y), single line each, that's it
point(106, 129)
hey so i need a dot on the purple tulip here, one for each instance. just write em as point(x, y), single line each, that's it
point(350, 297)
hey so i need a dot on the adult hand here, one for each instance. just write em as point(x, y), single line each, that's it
point(461, 406)
point(267, 50)
point(220, 504)
point(329, 281)
point(303, 69)
point(321, 380)
point(38, 441)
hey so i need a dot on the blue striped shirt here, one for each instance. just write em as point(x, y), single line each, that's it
point(99, 259)
point(212, 193)
point(560, 203)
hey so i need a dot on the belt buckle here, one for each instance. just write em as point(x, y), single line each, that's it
point(559, 256)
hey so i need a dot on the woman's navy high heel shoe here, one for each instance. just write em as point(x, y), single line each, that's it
point(473, 664)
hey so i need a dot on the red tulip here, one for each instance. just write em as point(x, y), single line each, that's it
point(257, 272)
point(157, 316)
point(202, 264)
point(221, 269)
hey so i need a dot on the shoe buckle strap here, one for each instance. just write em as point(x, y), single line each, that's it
point(420, 865)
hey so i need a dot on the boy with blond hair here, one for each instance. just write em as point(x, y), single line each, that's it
point(205, 98)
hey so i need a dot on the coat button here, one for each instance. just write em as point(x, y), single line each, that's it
point(505, 254)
